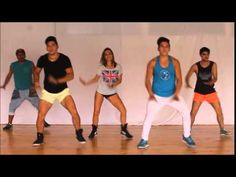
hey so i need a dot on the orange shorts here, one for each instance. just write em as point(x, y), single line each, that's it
point(210, 98)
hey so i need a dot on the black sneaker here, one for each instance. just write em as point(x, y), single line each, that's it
point(46, 124)
point(93, 132)
point(39, 140)
point(8, 127)
point(125, 132)
point(224, 132)
point(79, 136)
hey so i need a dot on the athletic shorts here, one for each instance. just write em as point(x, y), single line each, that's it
point(106, 96)
point(52, 97)
point(210, 98)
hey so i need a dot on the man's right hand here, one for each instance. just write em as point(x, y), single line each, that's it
point(152, 97)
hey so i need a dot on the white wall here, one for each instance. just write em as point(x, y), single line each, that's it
point(134, 44)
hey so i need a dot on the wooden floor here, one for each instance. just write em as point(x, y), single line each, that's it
point(60, 139)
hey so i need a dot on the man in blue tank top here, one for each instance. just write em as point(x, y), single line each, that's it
point(164, 90)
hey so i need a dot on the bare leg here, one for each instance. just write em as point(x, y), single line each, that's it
point(69, 104)
point(10, 119)
point(194, 111)
point(44, 107)
point(219, 113)
point(98, 100)
point(118, 104)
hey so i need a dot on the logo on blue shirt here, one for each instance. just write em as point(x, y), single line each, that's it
point(164, 75)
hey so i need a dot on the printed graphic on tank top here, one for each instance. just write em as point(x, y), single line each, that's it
point(163, 83)
point(204, 75)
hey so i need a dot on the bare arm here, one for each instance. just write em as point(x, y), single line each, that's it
point(149, 75)
point(91, 81)
point(214, 75)
point(68, 77)
point(37, 71)
point(189, 74)
point(178, 78)
point(7, 79)
point(33, 71)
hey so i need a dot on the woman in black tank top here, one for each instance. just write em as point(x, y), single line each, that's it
point(204, 75)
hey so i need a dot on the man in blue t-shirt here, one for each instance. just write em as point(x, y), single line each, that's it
point(164, 90)
point(23, 70)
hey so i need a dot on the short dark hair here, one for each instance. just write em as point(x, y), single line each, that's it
point(162, 39)
point(20, 51)
point(204, 49)
point(51, 38)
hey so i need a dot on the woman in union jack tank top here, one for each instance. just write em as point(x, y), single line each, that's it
point(108, 76)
